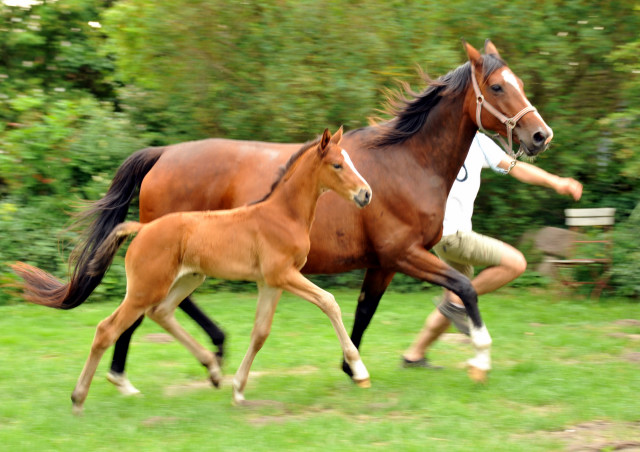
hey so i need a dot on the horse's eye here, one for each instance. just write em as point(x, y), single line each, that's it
point(337, 166)
point(496, 88)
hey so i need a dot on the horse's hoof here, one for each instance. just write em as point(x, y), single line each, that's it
point(77, 410)
point(215, 375)
point(477, 375)
point(238, 398)
point(215, 382)
point(365, 383)
point(122, 383)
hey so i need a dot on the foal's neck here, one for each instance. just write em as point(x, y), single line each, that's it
point(298, 193)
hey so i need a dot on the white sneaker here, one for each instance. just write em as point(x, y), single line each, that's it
point(122, 383)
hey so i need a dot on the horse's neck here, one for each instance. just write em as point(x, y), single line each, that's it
point(444, 141)
point(297, 195)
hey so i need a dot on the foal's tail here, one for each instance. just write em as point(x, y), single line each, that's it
point(107, 250)
point(42, 288)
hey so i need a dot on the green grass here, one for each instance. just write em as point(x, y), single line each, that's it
point(558, 363)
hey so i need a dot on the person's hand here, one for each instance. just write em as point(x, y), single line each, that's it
point(569, 186)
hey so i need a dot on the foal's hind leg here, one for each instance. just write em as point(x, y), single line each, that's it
point(297, 284)
point(267, 301)
point(163, 315)
point(106, 334)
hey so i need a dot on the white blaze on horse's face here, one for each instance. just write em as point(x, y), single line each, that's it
point(510, 78)
point(349, 163)
point(363, 196)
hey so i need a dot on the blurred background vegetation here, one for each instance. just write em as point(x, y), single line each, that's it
point(85, 83)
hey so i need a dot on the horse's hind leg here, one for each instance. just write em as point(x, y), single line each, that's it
point(267, 301)
point(215, 333)
point(421, 264)
point(163, 315)
point(106, 334)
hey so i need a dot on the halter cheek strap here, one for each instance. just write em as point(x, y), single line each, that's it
point(510, 123)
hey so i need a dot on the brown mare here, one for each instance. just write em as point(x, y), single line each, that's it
point(410, 161)
point(266, 242)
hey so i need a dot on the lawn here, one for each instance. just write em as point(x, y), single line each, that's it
point(566, 377)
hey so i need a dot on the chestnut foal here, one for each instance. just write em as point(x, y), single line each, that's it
point(266, 242)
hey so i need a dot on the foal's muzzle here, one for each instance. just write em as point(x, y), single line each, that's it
point(363, 197)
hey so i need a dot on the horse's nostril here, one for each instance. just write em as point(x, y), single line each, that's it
point(539, 138)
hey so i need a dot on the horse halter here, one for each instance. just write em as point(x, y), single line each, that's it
point(510, 123)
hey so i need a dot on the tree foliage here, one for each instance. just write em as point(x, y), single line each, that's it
point(84, 83)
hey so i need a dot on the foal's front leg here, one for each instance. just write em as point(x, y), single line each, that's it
point(267, 301)
point(297, 284)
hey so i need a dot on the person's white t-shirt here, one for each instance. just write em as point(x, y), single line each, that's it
point(483, 153)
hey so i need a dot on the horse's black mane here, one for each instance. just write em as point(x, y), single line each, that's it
point(285, 168)
point(411, 109)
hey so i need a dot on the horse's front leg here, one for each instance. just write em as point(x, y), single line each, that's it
point(267, 301)
point(420, 263)
point(374, 285)
point(297, 284)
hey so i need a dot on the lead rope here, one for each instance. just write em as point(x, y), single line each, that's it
point(510, 123)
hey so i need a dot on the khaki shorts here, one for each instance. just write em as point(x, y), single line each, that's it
point(464, 250)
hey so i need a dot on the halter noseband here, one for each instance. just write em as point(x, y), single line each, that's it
point(510, 123)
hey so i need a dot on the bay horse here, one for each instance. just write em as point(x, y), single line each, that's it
point(267, 242)
point(410, 161)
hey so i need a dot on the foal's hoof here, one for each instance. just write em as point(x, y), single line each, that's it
point(364, 383)
point(77, 409)
point(215, 377)
point(215, 383)
point(477, 375)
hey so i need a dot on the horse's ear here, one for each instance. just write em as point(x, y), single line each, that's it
point(337, 137)
point(490, 49)
point(474, 56)
point(324, 142)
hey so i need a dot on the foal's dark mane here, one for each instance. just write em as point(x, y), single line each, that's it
point(411, 109)
point(282, 171)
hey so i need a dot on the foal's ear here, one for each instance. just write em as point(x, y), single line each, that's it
point(324, 142)
point(490, 49)
point(474, 56)
point(337, 137)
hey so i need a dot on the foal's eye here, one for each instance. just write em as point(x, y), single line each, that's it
point(496, 88)
point(337, 166)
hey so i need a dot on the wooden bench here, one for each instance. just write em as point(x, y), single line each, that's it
point(592, 248)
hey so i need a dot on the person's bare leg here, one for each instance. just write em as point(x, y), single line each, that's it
point(434, 326)
point(512, 265)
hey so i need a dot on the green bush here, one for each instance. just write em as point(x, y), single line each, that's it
point(626, 256)
point(64, 153)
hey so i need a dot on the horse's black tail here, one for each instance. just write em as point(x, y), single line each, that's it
point(42, 288)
